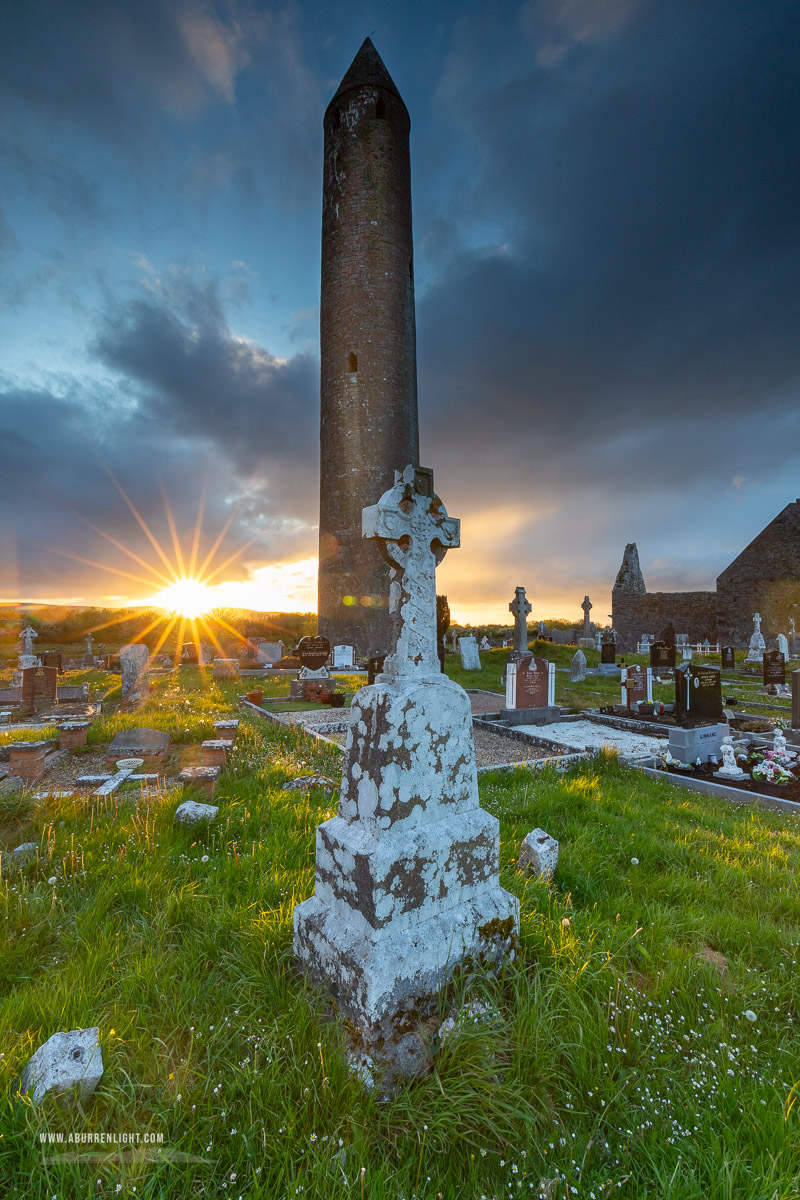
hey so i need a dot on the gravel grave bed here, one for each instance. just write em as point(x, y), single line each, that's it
point(585, 735)
point(62, 776)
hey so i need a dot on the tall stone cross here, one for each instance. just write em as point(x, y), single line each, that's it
point(756, 623)
point(88, 639)
point(413, 533)
point(587, 608)
point(520, 608)
point(27, 637)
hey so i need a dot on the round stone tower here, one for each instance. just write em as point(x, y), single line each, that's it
point(368, 426)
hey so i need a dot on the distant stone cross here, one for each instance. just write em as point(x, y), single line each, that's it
point(27, 636)
point(88, 639)
point(757, 623)
point(413, 533)
point(520, 608)
point(587, 608)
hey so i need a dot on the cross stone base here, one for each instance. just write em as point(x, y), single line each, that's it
point(407, 884)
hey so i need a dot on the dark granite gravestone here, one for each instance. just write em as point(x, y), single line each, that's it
point(149, 744)
point(662, 657)
point(608, 652)
point(113, 662)
point(189, 655)
point(313, 652)
point(39, 685)
point(532, 682)
point(728, 658)
point(774, 667)
point(53, 658)
point(668, 636)
point(698, 694)
point(374, 667)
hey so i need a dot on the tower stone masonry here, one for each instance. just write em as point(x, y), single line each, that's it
point(368, 385)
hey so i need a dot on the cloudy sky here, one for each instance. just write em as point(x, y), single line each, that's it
point(607, 230)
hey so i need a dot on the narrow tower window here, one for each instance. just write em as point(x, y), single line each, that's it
point(380, 108)
point(352, 362)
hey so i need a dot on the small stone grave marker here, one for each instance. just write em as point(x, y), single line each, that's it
point(135, 663)
point(728, 658)
point(577, 668)
point(608, 653)
point(39, 685)
point(374, 667)
point(470, 658)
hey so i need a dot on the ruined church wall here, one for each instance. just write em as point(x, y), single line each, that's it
point(694, 613)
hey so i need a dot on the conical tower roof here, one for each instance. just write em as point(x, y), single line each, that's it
point(629, 576)
point(367, 70)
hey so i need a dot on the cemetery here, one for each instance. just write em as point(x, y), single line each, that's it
point(371, 902)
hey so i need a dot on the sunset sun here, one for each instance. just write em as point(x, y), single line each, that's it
point(188, 597)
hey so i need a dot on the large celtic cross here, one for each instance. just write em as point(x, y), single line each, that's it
point(413, 532)
point(520, 608)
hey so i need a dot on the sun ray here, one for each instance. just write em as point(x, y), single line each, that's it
point(221, 621)
point(209, 557)
point(107, 624)
point(228, 561)
point(100, 566)
point(212, 635)
point(179, 643)
point(198, 527)
point(164, 635)
point(176, 545)
point(121, 546)
point(143, 632)
point(141, 521)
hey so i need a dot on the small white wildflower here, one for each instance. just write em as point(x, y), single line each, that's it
point(204, 858)
point(635, 862)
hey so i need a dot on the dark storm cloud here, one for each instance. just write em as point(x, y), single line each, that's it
point(645, 307)
point(207, 95)
point(192, 406)
point(192, 376)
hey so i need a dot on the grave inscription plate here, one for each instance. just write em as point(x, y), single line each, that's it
point(532, 681)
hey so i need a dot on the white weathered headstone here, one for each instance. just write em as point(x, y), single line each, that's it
point(65, 1061)
point(485, 643)
point(407, 883)
point(470, 658)
point(577, 668)
point(135, 662)
point(343, 657)
point(539, 853)
point(782, 644)
point(225, 668)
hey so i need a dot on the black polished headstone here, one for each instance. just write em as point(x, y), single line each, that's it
point(662, 656)
point(698, 693)
point(728, 658)
point(374, 667)
point(313, 652)
point(608, 652)
point(668, 636)
point(774, 665)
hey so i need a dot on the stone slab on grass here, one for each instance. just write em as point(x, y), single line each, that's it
point(149, 744)
point(65, 1061)
point(538, 853)
point(193, 813)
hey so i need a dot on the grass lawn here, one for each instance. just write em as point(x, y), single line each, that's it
point(643, 1044)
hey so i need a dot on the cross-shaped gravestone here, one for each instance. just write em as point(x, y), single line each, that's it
point(587, 608)
point(27, 637)
point(519, 608)
point(756, 623)
point(413, 535)
point(89, 639)
point(424, 896)
point(114, 779)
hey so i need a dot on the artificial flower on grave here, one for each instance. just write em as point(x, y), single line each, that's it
point(771, 771)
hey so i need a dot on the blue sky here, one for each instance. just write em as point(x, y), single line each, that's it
point(607, 239)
